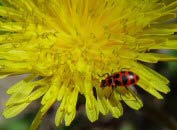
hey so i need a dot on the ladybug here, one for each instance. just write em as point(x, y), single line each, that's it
point(122, 79)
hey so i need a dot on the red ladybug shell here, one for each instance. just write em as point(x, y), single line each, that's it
point(125, 78)
point(109, 81)
point(122, 78)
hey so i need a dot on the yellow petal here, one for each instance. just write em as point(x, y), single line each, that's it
point(19, 86)
point(61, 111)
point(91, 108)
point(117, 110)
point(69, 117)
point(101, 103)
point(12, 111)
point(152, 91)
point(130, 98)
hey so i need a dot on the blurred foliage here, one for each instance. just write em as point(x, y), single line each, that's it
point(17, 123)
point(172, 65)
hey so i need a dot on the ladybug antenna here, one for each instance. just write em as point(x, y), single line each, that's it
point(133, 94)
point(103, 75)
point(111, 92)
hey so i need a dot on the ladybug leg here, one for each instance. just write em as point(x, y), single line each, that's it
point(133, 94)
point(133, 89)
point(120, 94)
point(111, 91)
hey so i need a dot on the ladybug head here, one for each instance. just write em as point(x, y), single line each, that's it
point(103, 83)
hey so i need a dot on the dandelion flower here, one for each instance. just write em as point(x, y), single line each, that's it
point(65, 44)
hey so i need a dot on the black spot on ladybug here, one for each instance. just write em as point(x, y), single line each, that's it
point(110, 81)
point(124, 79)
point(118, 83)
point(116, 76)
point(132, 81)
point(103, 83)
point(130, 73)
